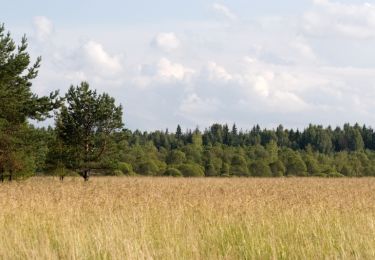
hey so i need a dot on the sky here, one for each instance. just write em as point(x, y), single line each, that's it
point(195, 63)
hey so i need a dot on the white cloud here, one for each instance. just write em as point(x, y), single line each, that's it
point(169, 70)
point(194, 104)
point(43, 27)
point(217, 73)
point(199, 110)
point(304, 50)
point(288, 102)
point(100, 60)
point(224, 10)
point(316, 67)
point(330, 19)
point(163, 71)
point(166, 41)
point(261, 86)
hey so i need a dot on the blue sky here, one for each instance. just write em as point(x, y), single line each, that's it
point(133, 12)
point(195, 63)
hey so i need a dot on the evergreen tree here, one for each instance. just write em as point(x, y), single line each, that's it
point(85, 124)
point(178, 132)
point(18, 104)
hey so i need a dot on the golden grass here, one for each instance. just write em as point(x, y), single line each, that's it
point(165, 218)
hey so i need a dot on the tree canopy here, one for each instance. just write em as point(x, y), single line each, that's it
point(18, 103)
point(85, 123)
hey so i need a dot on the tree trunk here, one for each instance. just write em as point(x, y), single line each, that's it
point(10, 175)
point(86, 175)
point(2, 175)
point(62, 178)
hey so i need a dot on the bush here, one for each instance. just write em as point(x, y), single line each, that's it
point(173, 172)
point(239, 166)
point(225, 170)
point(278, 169)
point(319, 174)
point(347, 170)
point(162, 167)
point(125, 168)
point(191, 170)
point(335, 175)
point(117, 173)
point(260, 168)
point(210, 170)
point(148, 168)
point(176, 157)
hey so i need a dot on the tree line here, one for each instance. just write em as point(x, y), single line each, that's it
point(216, 151)
point(89, 138)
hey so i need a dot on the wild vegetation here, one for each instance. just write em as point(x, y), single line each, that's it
point(197, 218)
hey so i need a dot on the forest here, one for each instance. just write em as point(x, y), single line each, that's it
point(90, 138)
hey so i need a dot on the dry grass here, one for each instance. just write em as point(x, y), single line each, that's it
point(162, 218)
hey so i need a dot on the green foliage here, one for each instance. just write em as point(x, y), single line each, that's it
point(176, 157)
point(278, 169)
point(260, 168)
point(312, 165)
point(148, 167)
point(225, 170)
point(191, 170)
point(335, 175)
point(117, 173)
point(294, 164)
point(210, 170)
point(239, 166)
point(18, 102)
point(254, 153)
point(173, 172)
point(125, 168)
point(21, 150)
point(272, 151)
point(86, 123)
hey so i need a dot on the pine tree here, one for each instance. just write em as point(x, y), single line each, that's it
point(178, 132)
point(85, 123)
point(18, 104)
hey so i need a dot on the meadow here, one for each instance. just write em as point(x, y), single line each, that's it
point(197, 218)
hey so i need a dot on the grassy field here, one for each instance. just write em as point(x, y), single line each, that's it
point(162, 218)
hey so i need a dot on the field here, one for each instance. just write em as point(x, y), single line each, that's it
point(165, 218)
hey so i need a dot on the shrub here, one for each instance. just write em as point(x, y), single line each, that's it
point(278, 169)
point(319, 174)
point(125, 168)
point(239, 166)
point(225, 170)
point(176, 157)
point(191, 170)
point(173, 172)
point(294, 164)
point(148, 168)
point(210, 170)
point(117, 173)
point(335, 175)
point(260, 168)
point(162, 167)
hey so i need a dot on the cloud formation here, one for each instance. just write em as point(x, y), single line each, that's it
point(316, 67)
point(166, 41)
point(98, 59)
point(224, 10)
point(331, 18)
point(43, 28)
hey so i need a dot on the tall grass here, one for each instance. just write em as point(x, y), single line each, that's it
point(165, 218)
